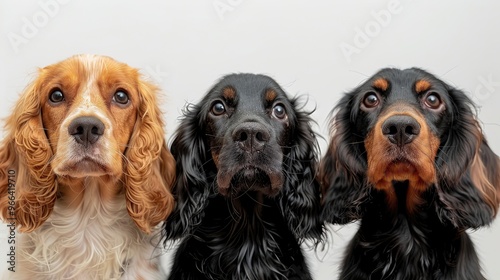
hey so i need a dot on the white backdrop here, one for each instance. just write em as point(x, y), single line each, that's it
point(319, 49)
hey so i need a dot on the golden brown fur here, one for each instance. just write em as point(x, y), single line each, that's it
point(129, 164)
point(382, 170)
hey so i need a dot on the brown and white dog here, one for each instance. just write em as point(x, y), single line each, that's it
point(85, 174)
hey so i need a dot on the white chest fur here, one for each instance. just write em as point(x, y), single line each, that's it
point(95, 240)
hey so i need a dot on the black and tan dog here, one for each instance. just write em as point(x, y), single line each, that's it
point(408, 158)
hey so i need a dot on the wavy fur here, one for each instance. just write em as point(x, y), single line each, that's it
point(247, 234)
point(408, 232)
point(77, 225)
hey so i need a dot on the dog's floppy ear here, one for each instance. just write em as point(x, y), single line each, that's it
point(150, 168)
point(468, 170)
point(300, 199)
point(342, 169)
point(192, 188)
point(25, 165)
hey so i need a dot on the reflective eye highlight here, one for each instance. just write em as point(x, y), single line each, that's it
point(218, 109)
point(279, 111)
point(432, 100)
point(56, 96)
point(371, 100)
point(121, 97)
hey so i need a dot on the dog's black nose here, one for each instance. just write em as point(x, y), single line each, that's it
point(400, 129)
point(86, 130)
point(251, 136)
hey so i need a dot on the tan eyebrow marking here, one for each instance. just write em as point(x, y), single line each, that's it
point(229, 93)
point(422, 85)
point(270, 95)
point(381, 84)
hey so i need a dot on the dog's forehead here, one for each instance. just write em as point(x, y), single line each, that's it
point(249, 90)
point(404, 84)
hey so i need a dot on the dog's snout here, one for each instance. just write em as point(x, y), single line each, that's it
point(251, 136)
point(86, 130)
point(401, 129)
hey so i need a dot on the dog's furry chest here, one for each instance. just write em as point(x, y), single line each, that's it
point(91, 241)
point(406, 248)
point(240, 245)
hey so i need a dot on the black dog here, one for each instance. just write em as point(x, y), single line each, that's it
point(246, 194)
point(408, 158)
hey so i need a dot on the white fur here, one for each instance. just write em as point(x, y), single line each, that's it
point(93, 241)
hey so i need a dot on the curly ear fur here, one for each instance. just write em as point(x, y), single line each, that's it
point(342, 170)
point(468, 170)
point(149, 166)
point(26, 152)
point(191, 189)
point(300, 199)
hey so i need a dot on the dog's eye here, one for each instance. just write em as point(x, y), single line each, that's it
point(56, 96)
point(279, 111)
point(371, 100)
point(218, 109)
point(432, 100)
point(121, 97)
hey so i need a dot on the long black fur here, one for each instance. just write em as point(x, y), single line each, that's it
point(431, 243)
point(244, 235)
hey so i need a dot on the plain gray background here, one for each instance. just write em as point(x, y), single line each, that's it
point(315, 48)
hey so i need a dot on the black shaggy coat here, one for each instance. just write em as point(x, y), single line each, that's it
point(246, 190)
point(408, 159)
